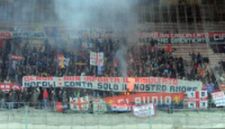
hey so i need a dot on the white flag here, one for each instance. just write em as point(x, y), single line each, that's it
point(97, 59)
point(66, 61)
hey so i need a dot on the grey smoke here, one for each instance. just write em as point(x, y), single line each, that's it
point(107, 14)
point(121, 55)
point(116, 16)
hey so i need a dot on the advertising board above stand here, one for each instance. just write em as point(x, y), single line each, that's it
point(176, 38)
point(163, 38)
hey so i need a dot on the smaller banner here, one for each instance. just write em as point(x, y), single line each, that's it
point(29, 34)
point(9, 86)
point(144, 110)
point(17, 57)
point(120, 107)
point(97, 58)
point(218, 98)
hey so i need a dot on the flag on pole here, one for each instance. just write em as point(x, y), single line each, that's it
point(61, 58)
point(97, 58)
point(63, 61)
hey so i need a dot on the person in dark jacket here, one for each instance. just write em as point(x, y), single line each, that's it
point(10, 99)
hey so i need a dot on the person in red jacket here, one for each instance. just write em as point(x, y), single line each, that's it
point(45, 98)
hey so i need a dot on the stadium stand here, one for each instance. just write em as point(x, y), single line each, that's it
point(189, 61)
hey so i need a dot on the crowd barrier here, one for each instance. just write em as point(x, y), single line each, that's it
point(28, 116)
point(95, 107)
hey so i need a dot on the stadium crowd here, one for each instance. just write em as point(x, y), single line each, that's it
point(19, 57)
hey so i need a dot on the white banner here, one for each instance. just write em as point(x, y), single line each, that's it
point(144, 110)
point(120, 107)
point(115, 84)
point(219, 98)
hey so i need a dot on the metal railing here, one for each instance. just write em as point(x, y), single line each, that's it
point(27, 116)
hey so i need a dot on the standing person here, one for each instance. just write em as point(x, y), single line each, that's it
point(91, 106)
point(52, 96)
point(35, 96)
point(45, 98)
point(40, 98)
point(10, 99)
point(2, 99)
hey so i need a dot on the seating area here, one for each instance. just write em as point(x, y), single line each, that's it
point(60, 57)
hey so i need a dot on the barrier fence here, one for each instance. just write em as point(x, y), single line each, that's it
point(30, 116)
point(96, 107)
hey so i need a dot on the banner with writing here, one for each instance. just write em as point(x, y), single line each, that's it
point(217, 37)
point(28, 34)
point(209, 37)
point(17, 57)
point(145, 98)
point(218, 98)
point(9, 86)
point(124, 103)
point(144, 110)
point(175, 38)
point(115, 84)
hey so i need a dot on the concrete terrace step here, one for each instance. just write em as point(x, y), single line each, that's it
point(184, 50)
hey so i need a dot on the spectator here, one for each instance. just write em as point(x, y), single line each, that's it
point(45, 98)
point(146, 59)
